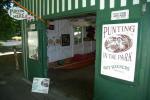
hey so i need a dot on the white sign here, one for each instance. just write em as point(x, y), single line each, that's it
point(19, 14)
point(32, 26)
point(118, 57)
point(136, 2)
point(119, 15)
point(40, 85)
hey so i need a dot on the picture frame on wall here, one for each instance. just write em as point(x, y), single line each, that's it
point(65, 39)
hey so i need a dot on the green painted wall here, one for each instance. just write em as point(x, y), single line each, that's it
point(106, 88)
point(145, 50)
point(68, 8)
point(24, 49)
point(35, 68)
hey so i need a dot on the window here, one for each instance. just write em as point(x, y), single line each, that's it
point(77, 35)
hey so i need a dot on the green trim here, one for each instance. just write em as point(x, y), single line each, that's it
point(71, 13)
point(46, 6)
point(66, 5)
point(73, 4)
point(80, 4)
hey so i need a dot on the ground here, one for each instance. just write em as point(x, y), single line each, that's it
point(13, 85)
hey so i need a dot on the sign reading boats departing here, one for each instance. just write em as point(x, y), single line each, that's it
point(119, 42)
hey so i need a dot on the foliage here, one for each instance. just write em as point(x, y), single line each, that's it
point(8, 26)
point(5, 4)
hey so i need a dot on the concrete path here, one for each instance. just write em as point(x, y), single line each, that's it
point(13, 86)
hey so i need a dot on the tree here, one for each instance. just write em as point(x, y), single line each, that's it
point(8, 26)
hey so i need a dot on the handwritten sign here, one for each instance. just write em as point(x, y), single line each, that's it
point(118, 57)
point(19, 14)
point(119, 15)
point(40, 85)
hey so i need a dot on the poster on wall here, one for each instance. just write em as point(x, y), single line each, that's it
point(33, 44)
point(118, 56)
point(65, 39)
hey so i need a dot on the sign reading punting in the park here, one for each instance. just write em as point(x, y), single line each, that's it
point(118, 56)
point(19, 13)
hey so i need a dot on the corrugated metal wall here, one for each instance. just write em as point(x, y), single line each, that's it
point(57, 7)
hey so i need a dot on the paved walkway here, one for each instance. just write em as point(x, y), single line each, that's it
point(14, 87)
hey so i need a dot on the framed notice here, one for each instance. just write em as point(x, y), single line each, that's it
point(65, 39)
point(33, 45)
point(118, 56)
point(40, 85)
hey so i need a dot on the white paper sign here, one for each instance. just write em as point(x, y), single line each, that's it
point(32, 26)
point(19, 13)
point(119, 15)
point(119, 42)
point(40, 85)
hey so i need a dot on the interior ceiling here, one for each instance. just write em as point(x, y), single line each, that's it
point(83, 21)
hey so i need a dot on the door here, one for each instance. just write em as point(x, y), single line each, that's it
point(36, 64)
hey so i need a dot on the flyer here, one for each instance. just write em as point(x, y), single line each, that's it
point(118, 56)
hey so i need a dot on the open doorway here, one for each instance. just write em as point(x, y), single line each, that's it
point(71, 56)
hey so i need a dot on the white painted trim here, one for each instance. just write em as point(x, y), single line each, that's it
point(63, 5)
point(76, 4)
point(69, 5)
point(52, 6)
point(92, 2)
point(123, 3)
point(112, 3)
point(135, 2)
point(47, 6)
point(102, 4)
point(84, 3)
point(57, 6)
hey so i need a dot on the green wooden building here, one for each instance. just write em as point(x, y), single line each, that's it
point(122, 66)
